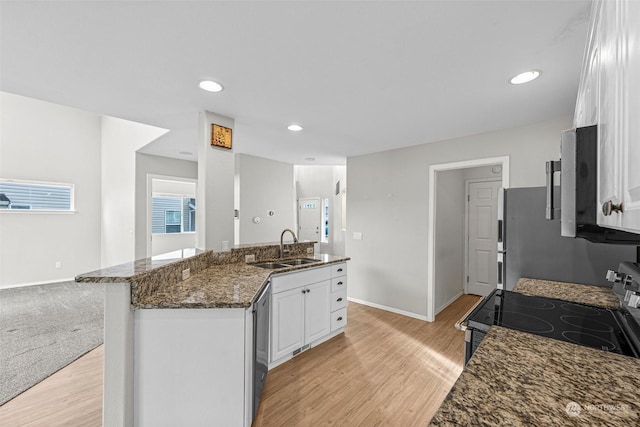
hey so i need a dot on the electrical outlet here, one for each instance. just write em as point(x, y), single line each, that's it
point(250, 258)
point(225, 246)
point(357, 235)
point(58, 264)
point(186, 274)
point(309, 251)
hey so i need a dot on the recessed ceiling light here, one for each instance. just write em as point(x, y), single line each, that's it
point(525, 77)
point(210, 86)
point(294, 128)
point(309, 159)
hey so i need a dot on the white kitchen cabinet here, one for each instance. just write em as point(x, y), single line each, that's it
point(303, 310)
point(609, 95)
point(287, 322)
point(300, 316)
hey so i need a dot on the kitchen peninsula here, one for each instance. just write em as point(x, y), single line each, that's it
point(179, 332)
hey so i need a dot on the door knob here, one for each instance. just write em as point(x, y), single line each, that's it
point(609, 207)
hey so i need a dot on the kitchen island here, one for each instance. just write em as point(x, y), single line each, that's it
point(520, 379)
point(179, 334)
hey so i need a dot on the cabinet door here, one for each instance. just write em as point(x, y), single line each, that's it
point(630, 150)
point(609, 132)
point(586, 113)
point(318, 310)
point(287, 322)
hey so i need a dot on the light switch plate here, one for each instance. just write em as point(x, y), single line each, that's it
point(309, 251)
point(186, 274)
point(250, 258)
point(357, 235)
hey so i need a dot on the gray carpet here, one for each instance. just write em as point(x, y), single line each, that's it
point(43, 328)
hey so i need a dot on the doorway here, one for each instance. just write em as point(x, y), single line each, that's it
point(171, 211)
point(435, 222)
point(309, 219)
point(481, 236)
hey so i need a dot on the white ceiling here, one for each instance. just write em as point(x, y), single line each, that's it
point(360, 77)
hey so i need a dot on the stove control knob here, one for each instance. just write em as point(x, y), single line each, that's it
point(615, 277)
point(634, 299)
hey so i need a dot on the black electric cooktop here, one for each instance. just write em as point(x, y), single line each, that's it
point(561, 320)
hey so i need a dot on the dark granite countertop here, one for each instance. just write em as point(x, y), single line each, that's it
point(217, 279)
point(232, 285)
point(520, 379)
point(583, 294)
point(125, 273)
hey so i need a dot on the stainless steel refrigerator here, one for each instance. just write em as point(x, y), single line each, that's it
point(531, 246)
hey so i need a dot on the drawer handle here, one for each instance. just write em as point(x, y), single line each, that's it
point(339, 283)
point(339, 299)
point(339, 270)
point(339, 318)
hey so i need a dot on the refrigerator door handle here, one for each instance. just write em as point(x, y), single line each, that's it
point(500, 231)
point(553, 166)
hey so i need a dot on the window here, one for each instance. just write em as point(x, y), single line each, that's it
point(35, 196)
point(325, 222)
point(173, 214)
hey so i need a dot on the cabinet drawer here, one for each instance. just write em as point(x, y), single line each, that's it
point(338, 299)
point(338, 319)
point(286, 281)
point(338, 284)
point(338, 270)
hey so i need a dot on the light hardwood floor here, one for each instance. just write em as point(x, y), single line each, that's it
point(386, 369)
point(70, 397)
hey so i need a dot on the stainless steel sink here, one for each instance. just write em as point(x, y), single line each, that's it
point(285, 263)
point(270, 265)
point(299, 261)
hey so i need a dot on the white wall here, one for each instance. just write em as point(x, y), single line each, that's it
point(388, 202)
point(449, 249)
point(155, 165)
point(214, 216)
point(120, 141)
point(320, 181)
point(264, 185)
point(48, 142)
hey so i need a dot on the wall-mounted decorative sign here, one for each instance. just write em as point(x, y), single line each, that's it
point(220, 136)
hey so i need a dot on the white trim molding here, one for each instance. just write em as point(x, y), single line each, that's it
point(504, 161)
point(387, 308)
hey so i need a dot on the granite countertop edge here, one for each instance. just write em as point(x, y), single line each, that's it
point(515, 378)
point(255, 285)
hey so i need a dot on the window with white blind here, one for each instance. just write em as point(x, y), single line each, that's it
point(17, 195)
point(171, 214)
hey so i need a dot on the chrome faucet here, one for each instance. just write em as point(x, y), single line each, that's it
point(295, 240)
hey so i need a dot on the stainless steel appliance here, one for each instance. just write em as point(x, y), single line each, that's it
point(578, 169)
point(530, 246)
point(609, 330)
point(261, 310)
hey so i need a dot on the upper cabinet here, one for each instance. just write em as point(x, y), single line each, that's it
point(609, 95)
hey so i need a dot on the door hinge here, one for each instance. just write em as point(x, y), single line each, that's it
point(467, 279)
point(468, 198)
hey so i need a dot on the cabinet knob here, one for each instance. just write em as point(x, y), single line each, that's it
point(609, 207)
point(339, 299)
point(304, 291)
point(339, 318)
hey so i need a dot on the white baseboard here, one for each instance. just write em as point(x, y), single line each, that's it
point(70, 279)
point(446, 304)
point(386, 308)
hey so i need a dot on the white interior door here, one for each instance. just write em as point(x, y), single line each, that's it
point(482, 238)
point(309, 219)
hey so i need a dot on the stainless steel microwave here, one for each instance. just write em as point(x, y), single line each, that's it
point(578, 167)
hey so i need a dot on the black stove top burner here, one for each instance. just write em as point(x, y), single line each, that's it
point(580, 324)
